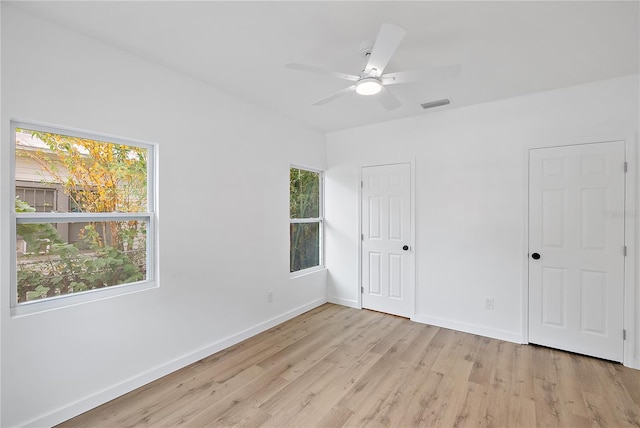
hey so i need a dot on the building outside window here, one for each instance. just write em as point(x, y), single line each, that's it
point(305, 219)
point(84, 213)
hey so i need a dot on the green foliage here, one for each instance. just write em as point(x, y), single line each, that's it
point(38, 236)
point(304, 193)
point(304, 202)
point(55, 267)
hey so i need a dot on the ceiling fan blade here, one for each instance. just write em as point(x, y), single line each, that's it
point(386, 43)
point(433, 73)
point(335, 95)
point(318, 70)
point(388, 100)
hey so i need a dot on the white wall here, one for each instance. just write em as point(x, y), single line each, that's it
point(471, 190)
point(223, 195)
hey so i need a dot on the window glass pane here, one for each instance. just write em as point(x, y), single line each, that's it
point(304, 191)
point(305, 246)
point(64, 258)
point(89, 175)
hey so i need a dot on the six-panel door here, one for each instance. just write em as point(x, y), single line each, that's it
point(576, 225)
point(386, 230)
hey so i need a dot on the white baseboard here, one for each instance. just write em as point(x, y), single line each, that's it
point(344, 302)
point(493, 333)
point(155, 373)
point(633, 364)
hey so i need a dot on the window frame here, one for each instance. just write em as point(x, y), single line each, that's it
point(319, 220)
point(149, 216)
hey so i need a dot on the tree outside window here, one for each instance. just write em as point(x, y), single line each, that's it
point(305, 211)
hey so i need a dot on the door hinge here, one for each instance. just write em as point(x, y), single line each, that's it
point(362, 236)
point(362, 289)
point(624, 334)
point(624, 251)
point(361, 184)
point(626, 167)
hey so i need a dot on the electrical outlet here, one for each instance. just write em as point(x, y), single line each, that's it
point(488, 303)
point(270, 296)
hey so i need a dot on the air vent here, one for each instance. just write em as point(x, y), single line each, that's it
point(437, 103)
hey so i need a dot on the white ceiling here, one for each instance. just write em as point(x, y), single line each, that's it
point(506, 49)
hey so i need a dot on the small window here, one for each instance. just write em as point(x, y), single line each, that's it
point(40, 199)
point(305, 217)
point(84, 213)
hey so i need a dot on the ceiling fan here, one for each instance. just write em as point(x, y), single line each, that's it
point(371, 81)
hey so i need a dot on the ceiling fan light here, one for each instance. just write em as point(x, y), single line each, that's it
point(368, 86)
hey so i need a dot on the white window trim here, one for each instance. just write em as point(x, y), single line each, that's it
point(50, 303)
point(319, 220)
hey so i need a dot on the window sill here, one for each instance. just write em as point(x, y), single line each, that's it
point(306, 272)
point(60, 302)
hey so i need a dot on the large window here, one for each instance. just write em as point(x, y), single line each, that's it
point(84, 213)
point(305, 212)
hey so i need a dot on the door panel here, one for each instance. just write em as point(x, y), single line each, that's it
point(576, 224)
point(553, 296)
point(374, 274)
point(386, 226)
point(593, 292)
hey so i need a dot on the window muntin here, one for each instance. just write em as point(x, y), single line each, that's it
point(99, 232)
point(305, 217)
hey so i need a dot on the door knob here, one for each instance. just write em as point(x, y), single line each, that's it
point(405, 247)
point(535, 256)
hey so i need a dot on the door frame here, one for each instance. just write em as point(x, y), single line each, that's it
point(631, 355)
point(412, 233)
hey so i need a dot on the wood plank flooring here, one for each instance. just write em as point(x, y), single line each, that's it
point(336, 366)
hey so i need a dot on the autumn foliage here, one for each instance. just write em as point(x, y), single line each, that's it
point(98, 177)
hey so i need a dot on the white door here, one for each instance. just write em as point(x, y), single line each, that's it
point(386, 238)
point(576, 248)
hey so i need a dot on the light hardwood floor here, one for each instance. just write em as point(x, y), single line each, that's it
point(336, 366)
